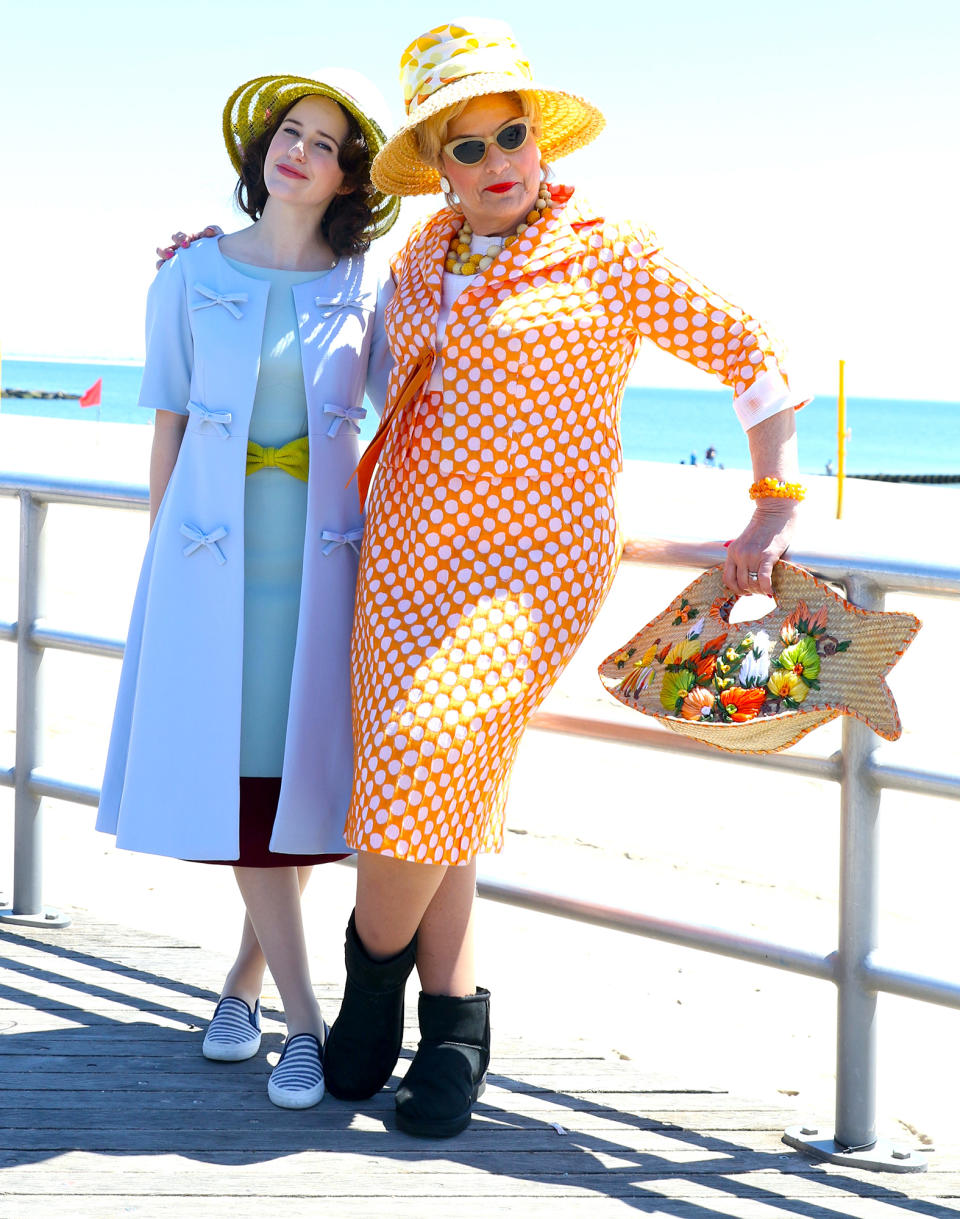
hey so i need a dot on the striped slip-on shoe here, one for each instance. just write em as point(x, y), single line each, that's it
point(234, 1032)
point(296, 1082)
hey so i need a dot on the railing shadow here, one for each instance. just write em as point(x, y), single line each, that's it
point(115, 1087)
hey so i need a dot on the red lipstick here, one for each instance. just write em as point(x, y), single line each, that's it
point(501, 188)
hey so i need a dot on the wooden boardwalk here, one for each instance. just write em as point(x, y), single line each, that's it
point(107, 1109)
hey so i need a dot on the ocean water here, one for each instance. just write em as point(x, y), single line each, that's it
point(886, 435)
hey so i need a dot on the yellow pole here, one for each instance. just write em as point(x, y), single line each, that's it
point(841, 440)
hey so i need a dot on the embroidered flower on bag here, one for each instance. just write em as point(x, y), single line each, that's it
point(755, 666)
point(718, 682)
point(740, 705)
point(685, 612)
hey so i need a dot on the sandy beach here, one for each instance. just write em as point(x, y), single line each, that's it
point(700, 841)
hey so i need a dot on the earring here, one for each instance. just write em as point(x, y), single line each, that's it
point(452, 198)
point(449, 193)
point(546, 172)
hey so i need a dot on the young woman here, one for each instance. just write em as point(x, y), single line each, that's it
point(231, 740)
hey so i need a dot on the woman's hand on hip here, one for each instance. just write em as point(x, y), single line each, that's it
point(181, 241)
point(751, 556)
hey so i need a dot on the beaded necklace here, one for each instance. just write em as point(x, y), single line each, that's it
point(461, 261)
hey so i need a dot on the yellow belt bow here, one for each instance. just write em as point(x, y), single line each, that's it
point(293, 457)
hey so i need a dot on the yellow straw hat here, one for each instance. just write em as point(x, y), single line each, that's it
point(453, 63)
point(251, 108)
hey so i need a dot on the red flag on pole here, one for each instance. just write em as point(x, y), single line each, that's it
point(92, 396)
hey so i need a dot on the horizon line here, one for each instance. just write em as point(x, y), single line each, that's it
point(133, 362)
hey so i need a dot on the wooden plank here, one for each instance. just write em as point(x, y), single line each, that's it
point(68, 1129)
point(183, 1058)
point(508, 1043)
point(171, 963)
point(421, 1208)
point(166, 1077)
point(585, 1207)
point(130, 1038)
point(77, 1127)
point(216, 1097)
point(126, 1022)
point(308, 1135)
point(80, 937)
point(113, 1002)
point(83, 939)
point(76, 974)
point(333, 1177)
point(416, 1157)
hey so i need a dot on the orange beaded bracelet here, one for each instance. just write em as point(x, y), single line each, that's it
point(773, 488)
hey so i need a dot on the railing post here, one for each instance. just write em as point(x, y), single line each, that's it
point(856, 1100)
point(854, 1138)
point(28, 823)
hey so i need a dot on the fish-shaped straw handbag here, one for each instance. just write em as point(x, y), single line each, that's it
point(759, 686)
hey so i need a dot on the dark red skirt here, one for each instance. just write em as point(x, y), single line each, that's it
point(258, 811)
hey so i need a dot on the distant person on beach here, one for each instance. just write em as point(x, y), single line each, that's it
point(491, 536)
point(710, 457)
point(231, 739)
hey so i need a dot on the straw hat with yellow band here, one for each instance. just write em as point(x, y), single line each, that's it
point(454, 63)
point(252, 107)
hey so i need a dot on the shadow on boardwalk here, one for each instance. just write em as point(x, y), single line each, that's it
point(108, 1102)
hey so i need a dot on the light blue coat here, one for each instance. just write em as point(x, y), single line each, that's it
point(171, 785)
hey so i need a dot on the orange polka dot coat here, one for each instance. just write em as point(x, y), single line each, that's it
point(491, 538)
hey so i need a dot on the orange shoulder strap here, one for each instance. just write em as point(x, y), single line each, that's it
point(408, 394)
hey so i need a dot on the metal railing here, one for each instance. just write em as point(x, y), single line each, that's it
point(856, 967)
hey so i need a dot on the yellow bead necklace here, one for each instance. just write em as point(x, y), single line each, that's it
point(461, 261)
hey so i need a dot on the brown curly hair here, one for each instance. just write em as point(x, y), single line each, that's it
point(348, 222)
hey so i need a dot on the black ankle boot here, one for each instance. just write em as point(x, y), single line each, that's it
point(364, 1044)
point(449, 1070)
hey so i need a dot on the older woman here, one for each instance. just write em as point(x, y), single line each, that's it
point(491, 537)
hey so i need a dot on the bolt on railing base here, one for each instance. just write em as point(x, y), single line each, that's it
point(51, 919)
point(884, 1156)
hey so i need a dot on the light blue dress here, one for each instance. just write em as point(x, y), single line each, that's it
point(275, 516)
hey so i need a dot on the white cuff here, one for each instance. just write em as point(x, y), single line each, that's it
point(767, 396)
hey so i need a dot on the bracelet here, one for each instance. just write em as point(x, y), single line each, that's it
point(776, 489)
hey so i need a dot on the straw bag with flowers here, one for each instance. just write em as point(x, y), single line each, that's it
point(756, 687)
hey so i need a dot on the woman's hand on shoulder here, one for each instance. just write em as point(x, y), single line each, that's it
point(181, 241)
point(751, 556)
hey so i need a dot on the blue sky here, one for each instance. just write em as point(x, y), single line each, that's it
point(798, 157)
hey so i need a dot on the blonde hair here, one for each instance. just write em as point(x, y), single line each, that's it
point(431, 134)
